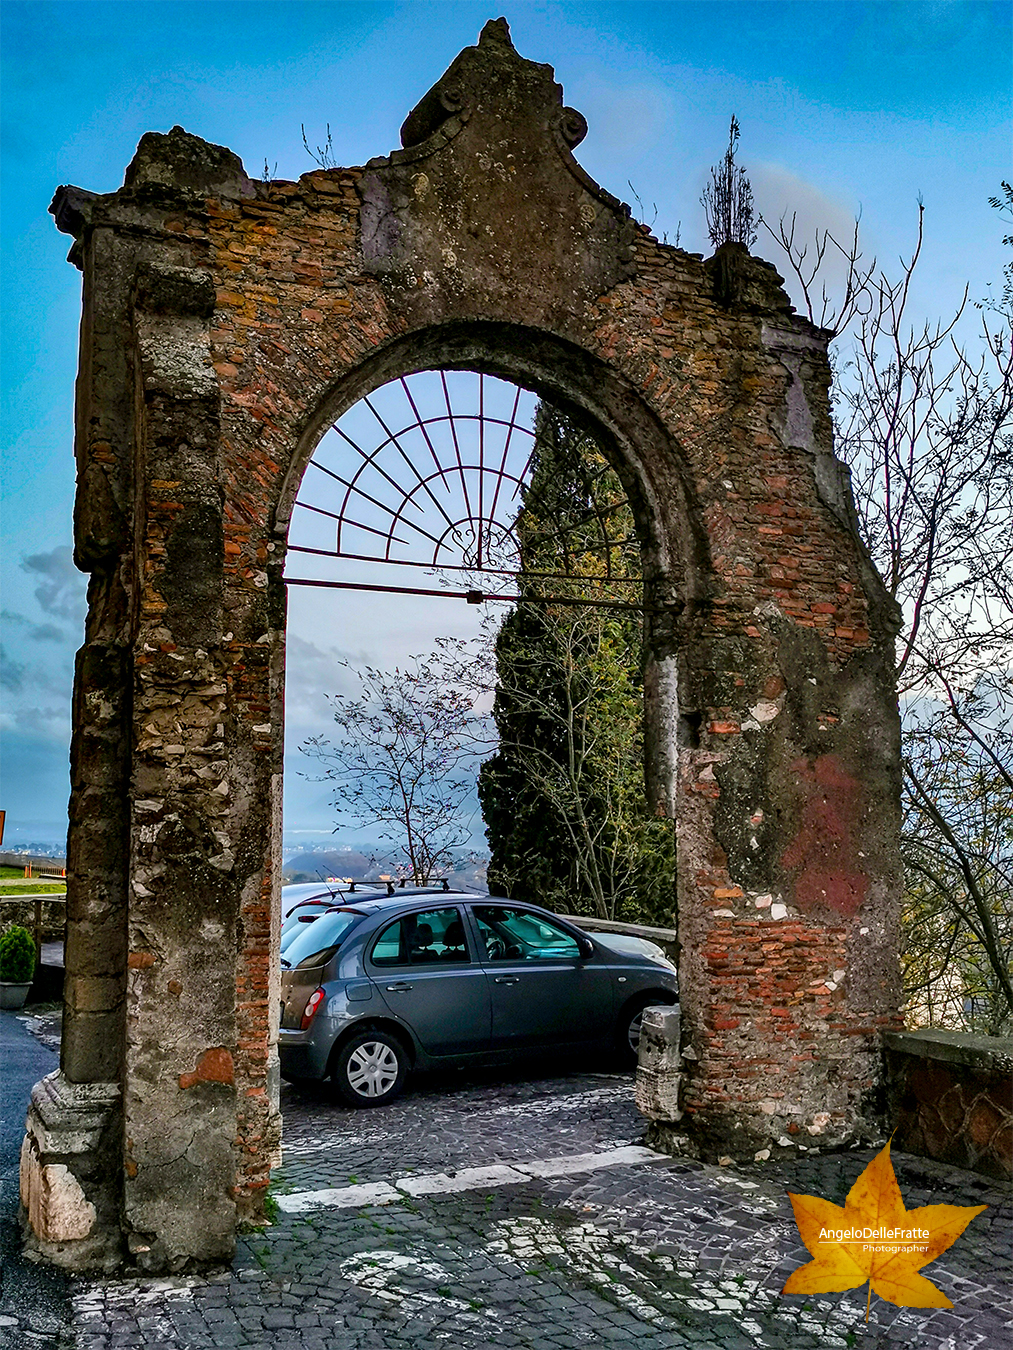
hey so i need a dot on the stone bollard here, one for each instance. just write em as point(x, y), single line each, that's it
point(659, 1066)
point(73, 1140)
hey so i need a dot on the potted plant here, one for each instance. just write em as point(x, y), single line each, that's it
point(17, 966)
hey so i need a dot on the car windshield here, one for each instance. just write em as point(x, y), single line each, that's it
point(318, 941)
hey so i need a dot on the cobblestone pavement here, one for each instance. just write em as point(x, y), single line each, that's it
point(481, 1212)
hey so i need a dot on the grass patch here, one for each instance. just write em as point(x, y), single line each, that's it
point(33, 888)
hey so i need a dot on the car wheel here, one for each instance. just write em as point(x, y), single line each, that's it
point(370, 1069)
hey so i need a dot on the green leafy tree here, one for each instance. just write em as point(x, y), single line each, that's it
point(563, 798)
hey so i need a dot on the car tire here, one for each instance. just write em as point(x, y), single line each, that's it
point(370, 1069)
point(628, 1028)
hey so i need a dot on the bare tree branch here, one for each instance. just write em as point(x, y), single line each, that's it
point(924, 422)
point(987, 931)
point(405, 759)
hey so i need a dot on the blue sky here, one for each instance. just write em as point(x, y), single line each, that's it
point(843, 107)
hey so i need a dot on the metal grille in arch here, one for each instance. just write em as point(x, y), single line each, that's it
point(428, 475)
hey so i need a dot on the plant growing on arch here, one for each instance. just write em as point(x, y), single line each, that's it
point(727, 199)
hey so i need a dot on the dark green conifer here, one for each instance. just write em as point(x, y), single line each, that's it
point(563, 798)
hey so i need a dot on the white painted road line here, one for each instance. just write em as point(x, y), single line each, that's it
point(590, 1162)
point(339, 1197)
point(467, 1179)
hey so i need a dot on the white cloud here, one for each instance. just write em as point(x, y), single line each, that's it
point(61, 589)
point(779, 195)
point(37, 632)
point(12, 673)
point(38, 681)
point(623, 121)
point(779, 192)
point(311, 673)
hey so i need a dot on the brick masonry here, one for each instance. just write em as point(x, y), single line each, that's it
point(227, 323)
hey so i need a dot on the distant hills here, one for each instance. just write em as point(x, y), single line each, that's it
point(346, 864)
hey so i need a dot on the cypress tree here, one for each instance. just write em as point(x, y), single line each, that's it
point(563, 798)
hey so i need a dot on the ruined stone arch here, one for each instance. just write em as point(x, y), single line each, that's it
point(674, 543)
point(226, 322)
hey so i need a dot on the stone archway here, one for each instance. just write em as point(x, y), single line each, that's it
point(226, 323)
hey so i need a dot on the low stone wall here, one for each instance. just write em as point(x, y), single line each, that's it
point(14, 910)
point(950, 1097)
point(32, 860)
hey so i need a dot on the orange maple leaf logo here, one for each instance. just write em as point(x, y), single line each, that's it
point(875, 1238)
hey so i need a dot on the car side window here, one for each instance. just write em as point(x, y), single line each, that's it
point(515, 935)
point(433, 936)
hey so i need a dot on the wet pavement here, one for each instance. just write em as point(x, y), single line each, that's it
point(523, 1211)
point(34, 1301)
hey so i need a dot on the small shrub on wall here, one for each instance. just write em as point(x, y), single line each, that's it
point(17, 956)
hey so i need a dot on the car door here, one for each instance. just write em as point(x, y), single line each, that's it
point(425, 970)
point(544, 990)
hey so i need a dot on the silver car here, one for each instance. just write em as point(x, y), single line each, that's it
point(376, 988)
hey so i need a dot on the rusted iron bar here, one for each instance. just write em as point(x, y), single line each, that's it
point(472, 597)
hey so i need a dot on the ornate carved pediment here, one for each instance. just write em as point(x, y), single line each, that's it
point(486, 197)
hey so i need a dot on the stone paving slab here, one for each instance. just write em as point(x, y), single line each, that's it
point(658, 1253)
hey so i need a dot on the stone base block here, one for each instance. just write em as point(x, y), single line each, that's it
point(673, 1139)
point(659, 1067)
point(753, 1133)
point(70, 1169)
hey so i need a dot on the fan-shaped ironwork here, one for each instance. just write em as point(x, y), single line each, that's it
point(433, 472)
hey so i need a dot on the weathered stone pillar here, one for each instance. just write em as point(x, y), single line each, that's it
point(71, 1157)
point(184, 912)
point(167, 1081)
point(659, 1072)
point(787, 806)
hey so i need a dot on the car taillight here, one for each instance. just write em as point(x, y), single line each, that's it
point(310, 1011)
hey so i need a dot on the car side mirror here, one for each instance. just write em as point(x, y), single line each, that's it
point(586, 947)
